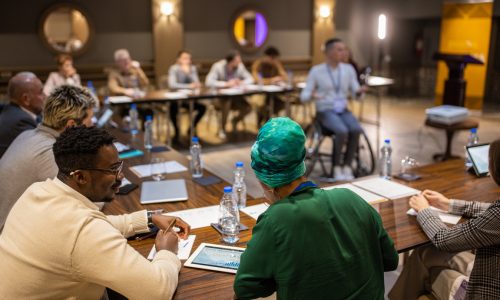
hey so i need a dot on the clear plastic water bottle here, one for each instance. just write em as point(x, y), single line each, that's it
point(239, 185)
point(289, 83)
point(228, 218)
point(472, 140)
point(90, 86)
point(260, 81)
point(148, 132)
point(134, 119)
point(385, 159)
point(196, 164)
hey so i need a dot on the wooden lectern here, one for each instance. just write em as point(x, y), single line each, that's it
point(454, 86)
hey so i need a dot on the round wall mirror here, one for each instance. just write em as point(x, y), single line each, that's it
point(65, 29)
point(250, 30)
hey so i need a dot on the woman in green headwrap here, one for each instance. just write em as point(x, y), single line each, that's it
point(310, 243)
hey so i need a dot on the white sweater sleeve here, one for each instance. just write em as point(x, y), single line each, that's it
point(130, 224)
point(102, 256)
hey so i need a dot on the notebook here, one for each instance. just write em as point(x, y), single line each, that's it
point(163, 191)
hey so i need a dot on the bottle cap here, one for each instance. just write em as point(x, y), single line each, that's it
point(90, 83)
point(228, 189)
point(133, 106)
point(473, 130)
point(387, 141)
point(195, 139)
point(239, 164)
point(149, 118)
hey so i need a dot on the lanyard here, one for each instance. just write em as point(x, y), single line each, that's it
point(304, 185)
point(335, 87)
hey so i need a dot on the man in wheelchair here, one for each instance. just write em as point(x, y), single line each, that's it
point(329, 84)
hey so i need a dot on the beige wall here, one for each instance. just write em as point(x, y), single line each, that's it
point(323, 29)
point(168, 36)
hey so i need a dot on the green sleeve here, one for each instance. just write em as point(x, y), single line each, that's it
point(255, 276)
point(390, 256)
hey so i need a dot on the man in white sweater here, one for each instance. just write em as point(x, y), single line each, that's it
point(56, 244)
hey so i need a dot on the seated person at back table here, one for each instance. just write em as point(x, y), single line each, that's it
point(310, 243)
point(26, 96)
point(128, 79)
point(183, 75)
point(329, 84)
point(29, 158)
point(441, 267)
point(230, 73)
point(56, 244)
point(66, 75)
point(270, 70)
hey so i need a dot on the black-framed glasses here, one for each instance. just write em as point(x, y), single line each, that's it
point(114, 170)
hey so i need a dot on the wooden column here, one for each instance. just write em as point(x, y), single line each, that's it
point(168, 36)
point(322, 29)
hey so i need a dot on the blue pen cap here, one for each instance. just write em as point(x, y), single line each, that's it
point(239, 164)
point(387, 141)
point(473, 130)
point(195, 139)
point(149, 118)
point(133, 106)
point(228, 189)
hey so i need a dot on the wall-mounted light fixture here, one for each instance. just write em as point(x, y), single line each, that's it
point(324, 11)
point(382, 26)
point(167, 8)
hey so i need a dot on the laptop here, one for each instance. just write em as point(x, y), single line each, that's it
point(163, 191)
point(480, 159)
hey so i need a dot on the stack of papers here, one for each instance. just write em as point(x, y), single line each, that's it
point(119, 99)
point(386, 188)
point(184, 248)
point(272, 88)
point(121, 147)
point(170, 167)
point(175, 95)
point(231, 91)
point(366, 195)
point(255, 211)
point(443, 215)
point(198, 217)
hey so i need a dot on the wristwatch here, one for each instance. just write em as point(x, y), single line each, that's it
point(150, 214)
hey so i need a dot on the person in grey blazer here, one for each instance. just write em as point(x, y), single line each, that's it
point(26, 95)
point(447, 266)
point(29, 159)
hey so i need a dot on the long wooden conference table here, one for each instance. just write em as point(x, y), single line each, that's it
point(447, 177)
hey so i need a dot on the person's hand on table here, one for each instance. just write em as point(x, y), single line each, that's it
point(129, 92)
point(164, 222)
point(418, 202)
point(167, 240)
point(437, 199)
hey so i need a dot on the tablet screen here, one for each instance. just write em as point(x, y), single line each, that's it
point(218, 257)
point(479, 157)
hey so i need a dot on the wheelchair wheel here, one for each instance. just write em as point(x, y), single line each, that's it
point(364, 162)
point(313, 141)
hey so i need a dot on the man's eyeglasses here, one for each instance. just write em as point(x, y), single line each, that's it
point(114, 170)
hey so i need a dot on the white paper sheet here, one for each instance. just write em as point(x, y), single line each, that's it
point(198, 217)
point(119, 99)
point(121, 147)
point(366, 195)
point(231, 91)
point(272, 88)
point(184, 248)
point(255, 211)
point(444, 216)
point(386, 188)
point(125, 181)
point(170, 167)
point(175, 95)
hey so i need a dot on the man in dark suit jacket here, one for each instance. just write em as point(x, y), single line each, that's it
point(26, 95)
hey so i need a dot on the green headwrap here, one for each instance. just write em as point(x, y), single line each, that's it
point(278, 154)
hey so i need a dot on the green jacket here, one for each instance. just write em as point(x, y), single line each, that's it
point(317, 244)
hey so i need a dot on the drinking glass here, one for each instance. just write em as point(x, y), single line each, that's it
point(158, 168)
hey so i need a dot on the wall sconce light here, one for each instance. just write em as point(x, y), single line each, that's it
point(382, 26)
point(324, 11)
point(167, 8)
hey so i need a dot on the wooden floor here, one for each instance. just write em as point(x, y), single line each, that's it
point(402, 121)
